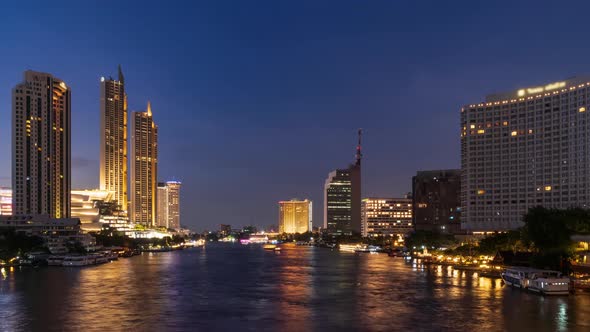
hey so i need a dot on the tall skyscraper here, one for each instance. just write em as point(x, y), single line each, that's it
point(525, 148)
point(144, 168)
point(386, 216)
point(169, 204)
point(342, 198)
point(437, 201)
point(113, 138)
point(162, 201)
point(295, 216)
point(41, 146)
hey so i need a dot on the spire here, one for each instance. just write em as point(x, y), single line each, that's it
point(121, 77)
point(359, 154)
point(149, 109)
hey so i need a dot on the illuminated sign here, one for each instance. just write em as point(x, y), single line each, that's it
point(540, 89)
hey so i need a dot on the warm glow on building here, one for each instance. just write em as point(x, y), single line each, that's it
point(386, 216)
point(144, 168)
point(113, 138)
point(41, 146)
point(295, 216)
point(169, 204)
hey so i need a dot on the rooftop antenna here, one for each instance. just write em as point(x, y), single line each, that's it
point(359, 154)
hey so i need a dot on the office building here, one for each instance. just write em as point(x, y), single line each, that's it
point(295, 216)
point(144, 168)
point(90, 205)
point(437, 201)
point(41, 146)
point(5, 202)
point(162, 201)
point(386, 216)
point(525, 148)
point(169, 204)
point(113, 138)
point(342, 198)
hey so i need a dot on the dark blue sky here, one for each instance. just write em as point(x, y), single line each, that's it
point(257, 101)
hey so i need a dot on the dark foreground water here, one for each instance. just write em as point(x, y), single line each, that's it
point(232, 287)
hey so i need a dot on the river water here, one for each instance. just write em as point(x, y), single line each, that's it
point(233, 287)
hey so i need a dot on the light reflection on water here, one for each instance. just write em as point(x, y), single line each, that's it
point(233, 287)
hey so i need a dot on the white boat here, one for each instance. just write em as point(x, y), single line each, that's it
point(545, 282)
point(81, 260)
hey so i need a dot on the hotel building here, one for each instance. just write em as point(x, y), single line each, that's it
point(386, 216)
point(169, 204)
point(295, 216)
point(113, 138)
point(41, 146)
point(144, 168)
point(525, 148)
point(342, 198)
point(437, 201)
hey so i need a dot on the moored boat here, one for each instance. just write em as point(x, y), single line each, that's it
point(79, 260)
point(545, 282)
point(269, 247)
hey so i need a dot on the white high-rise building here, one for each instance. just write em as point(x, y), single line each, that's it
point(525, 148)
point(169, 204)
point(41, 146)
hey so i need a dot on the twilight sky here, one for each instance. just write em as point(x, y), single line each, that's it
point(257, 101)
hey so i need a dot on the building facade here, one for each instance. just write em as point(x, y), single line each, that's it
point(41, 146)
point(386, 216)
point(113, 138)
point(162, 201)
point(169, 204)
point(342, 198)
point(295, 216)
point(437, 201)
point(525, 148)
point(144, 168)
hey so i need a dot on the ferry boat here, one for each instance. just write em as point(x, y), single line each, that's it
point(270, 247)
point(55, 260)
point(545, 282)
point(81, 260)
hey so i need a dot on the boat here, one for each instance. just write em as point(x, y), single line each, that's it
point(369, 249)
point(55, 260)
point(81, 260)
point(270, 247)
point(544, 282)
point(277, 249)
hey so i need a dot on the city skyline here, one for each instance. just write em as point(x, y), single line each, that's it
point(221, 93)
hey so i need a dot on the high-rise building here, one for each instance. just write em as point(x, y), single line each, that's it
point(41, 146)
point(169, 204)
point(342, 198)
point(386, 216)
point(437, 201)
point(525, 148)
point(162, 201)
point(144, 168)
point(295, 216)
point(113, 138)
point(174, 204)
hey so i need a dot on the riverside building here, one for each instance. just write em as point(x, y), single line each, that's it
point(295, 216)
point(437, 201)
point(169, 204)
point(144, 168)
point(41, 146)
point(113, 138)
point(525, 148)
point(386, 216)
point(342, 198)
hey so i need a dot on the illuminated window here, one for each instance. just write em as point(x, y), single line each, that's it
point(472, 126)
point(547, 188)
point(514, 133)
point(582, 109)
point(481, 191)
point(481, 131)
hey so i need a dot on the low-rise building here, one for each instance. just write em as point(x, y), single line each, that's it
point(386, 216)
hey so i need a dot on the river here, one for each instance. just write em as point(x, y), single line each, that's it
point(233, 287)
